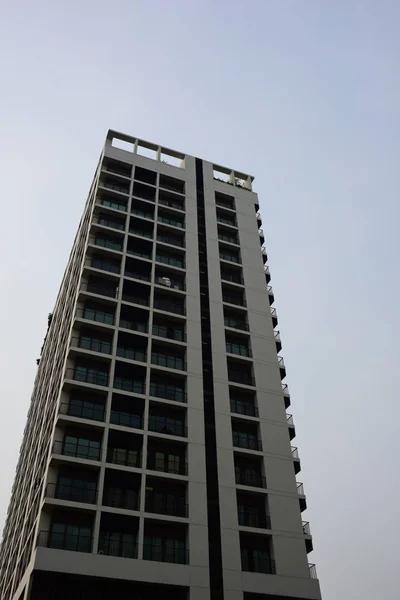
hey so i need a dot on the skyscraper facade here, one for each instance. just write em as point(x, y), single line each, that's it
point(157, 459)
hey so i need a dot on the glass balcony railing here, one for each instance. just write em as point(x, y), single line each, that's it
point(166, 504)
point(170, 221)
point(169, 333)
point(83, 409)
point(164, 553)
point(242, 407)
point(129, 385)
point(91, 314)
point(83, 492)
point(65, 541)
point(170, 260)
point(126, 419)
point(132, 353)
point(244, 440)
point(250, 478)
point(88, 375)
point(171, 362)
point(121, 498)
point(133, 325)
point(78, 448)
point(92, 344)
point(169, 392)
point(114, 204)
point(114, 544)
point(251, 516)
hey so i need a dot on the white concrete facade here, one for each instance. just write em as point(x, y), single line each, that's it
point(264, 542)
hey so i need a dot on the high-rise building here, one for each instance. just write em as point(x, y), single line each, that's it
point(157, 458)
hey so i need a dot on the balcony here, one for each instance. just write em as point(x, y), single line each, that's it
point(83, 409)
point(113, 203)
point(65, 540)
point(166, 457)
point(171, 240)
point(118, 168)
point(278, 342)
point(140, 248)
point(241, 377)
point(136, 293)
point(126, 418)
point(115, 186)
point(145, 175)
point(128, 457)
point(170, 220)
point(137, 269)
point(168, 331)
point(169, 361)
point(246, 440)
point(78, 447)
point(168, 305)
point(86, 374)
point(267, 273)
point(172, 184)
point(171, 201)
point(132, 347)
point(230, 239)
point(274, 317)
point(121, 498)
point(167, 421)
point(118, 535)
point(134, 319)
point(84, 492)
point(86, 342)
point(145, 192)
point(142, 213)
point(101, 287)
point(230, 257)
point(290, 423)
point(243, 406)
point(104, 220)
point(128, 384)
point(248, 477)
point(166, 504)
point(296, 459)
point(240, 349)
point(253, 516)
point(172, 261)
point(232, 275)
point(99, 315)
point(302, 497)
point(158, 389)
point(282, 367)
point(313, 571)
point(107, 242)
point(102, 265)
point(160, 551)
point(257, 561)
point(286, 394)
point(233, 296)
point(224, 201)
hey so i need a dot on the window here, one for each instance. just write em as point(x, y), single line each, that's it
point(81, 447)
point(170, 392)
point(70, 537)
point(245, 439)
point(164, 549)
point(98, 315)
point(166, 425)
point(90, 375)
point(168, 462)
point(118, 543)
point(77, 490)
point(85, 409)
point(237, 348)
point(124, 456)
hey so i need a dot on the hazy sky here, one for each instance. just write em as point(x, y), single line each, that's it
point(304, 94)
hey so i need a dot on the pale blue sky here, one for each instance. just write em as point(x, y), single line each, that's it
point(305, 95)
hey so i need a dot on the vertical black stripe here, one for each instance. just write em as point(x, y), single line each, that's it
point(214, 520)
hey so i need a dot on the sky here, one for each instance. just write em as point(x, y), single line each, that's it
point(303, 94)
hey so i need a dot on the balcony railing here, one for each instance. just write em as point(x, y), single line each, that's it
point(227, 238)
point(168, 221)
point(77, 450)
point(249, 517)
point(229, 257)
point(113, 204)
point(143, 214)
point(285, 389)
point(169, 392)
point(171, 307)
point(121, 498)
point(101, 290)
point(166, 554)
point(132, 354)
point(300, 489)
point(244, 408)
point(87, 376)
point(128, 457)
point(171, 204)
point(116, 170)
point(258, 564)
point(112, 546)
point(295, 452)
point(133, 325)
point(135, 299)
point(141, 233)
point(250, 479)
point(232, 278)
point(95, 315)
point(126, 419)
point(72, 493)
point(65, 541)
point(166, 505)
point(250, 443)
point(167, 466)
point(106, 243)
point(83, 410)
point(129, 385)
point(171, 362)
point(306, 527)
point(102, 265)
point(111, 185)
point(140, 276)
point(313, 571)
point(235, 324)
point(166, 239)
point(171, 261)
point(289, 420)
point(168, 428)
point(232, 348)
point(169, 333)
point(93, 344)
point(236, 300)
point(240, 377)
